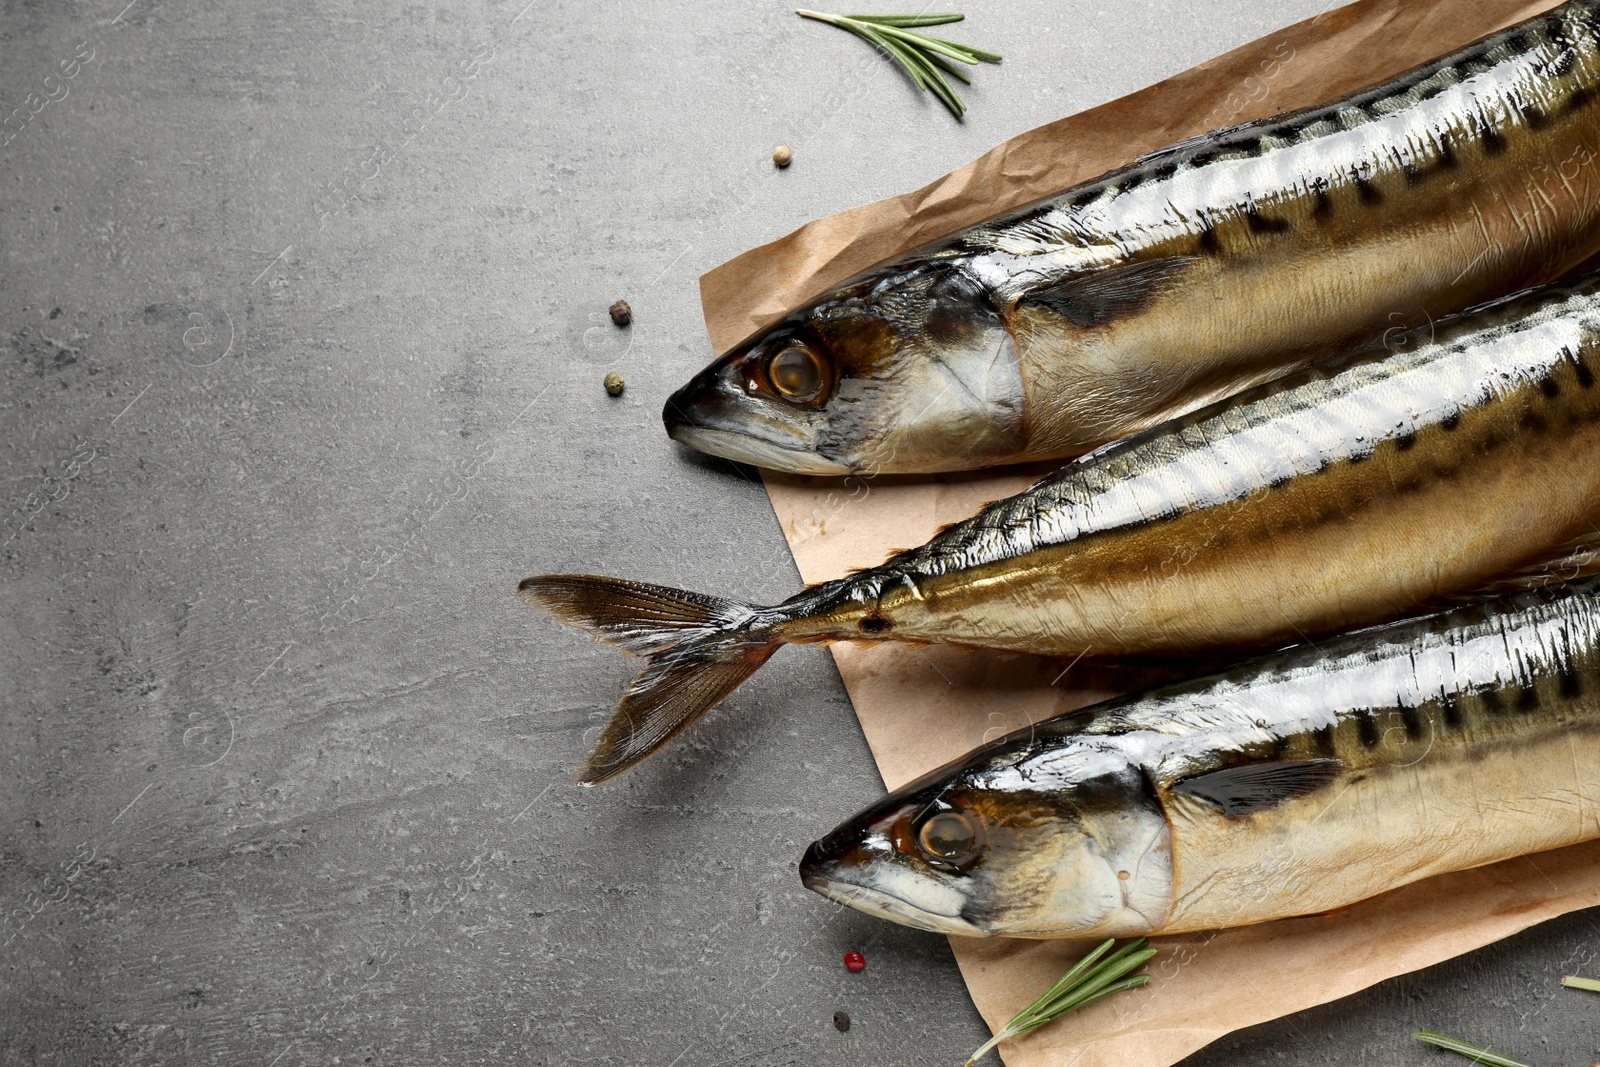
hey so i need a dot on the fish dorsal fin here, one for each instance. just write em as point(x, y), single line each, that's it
point(1194, 140)
point(1096, 297)
point(1254, 787)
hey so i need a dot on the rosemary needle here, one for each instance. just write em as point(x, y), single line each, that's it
point(927, 59)
point(1575, 982)
point(1091, 980)
point(1476, 1052)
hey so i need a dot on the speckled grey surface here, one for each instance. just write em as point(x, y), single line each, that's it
point(301, 339)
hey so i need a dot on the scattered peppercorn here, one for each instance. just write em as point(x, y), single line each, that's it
point(781, 155)
point(841, 1021)
point(614, 384)
point(854, 961)
point(621, 313)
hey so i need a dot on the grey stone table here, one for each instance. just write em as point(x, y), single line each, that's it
point(303, 330)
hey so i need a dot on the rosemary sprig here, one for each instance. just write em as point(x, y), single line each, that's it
point(1477, 1052)
point(1575, 982)
point(926, 58)
point(1091, 980)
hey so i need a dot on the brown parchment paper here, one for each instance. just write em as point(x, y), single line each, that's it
point(920, 707)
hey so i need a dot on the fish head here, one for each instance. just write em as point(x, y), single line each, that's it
point(910, 371)
point(1008, 842)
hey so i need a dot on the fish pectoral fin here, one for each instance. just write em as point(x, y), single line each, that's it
point(1253, 787)
point(1097, 297)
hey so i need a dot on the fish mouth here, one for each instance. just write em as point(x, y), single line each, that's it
point(756, 451)
point(715, 416)
point(933, 907)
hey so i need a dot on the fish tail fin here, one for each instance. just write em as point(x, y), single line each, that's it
point(700, 649)
point(677, 687)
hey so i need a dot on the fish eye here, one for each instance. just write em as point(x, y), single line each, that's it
point(949, 837)
point(797, 373)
